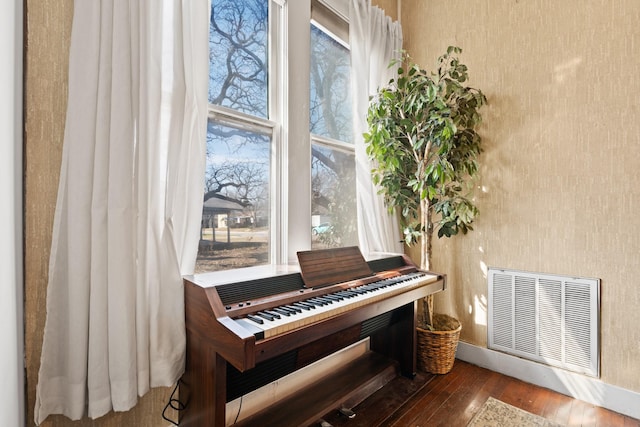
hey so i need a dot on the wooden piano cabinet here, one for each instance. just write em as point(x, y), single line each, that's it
point(203, 388)
point(225, 361)
point(203, 385)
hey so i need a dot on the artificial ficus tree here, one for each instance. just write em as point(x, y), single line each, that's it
point(423, 142)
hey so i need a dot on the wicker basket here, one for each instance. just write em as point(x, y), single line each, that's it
point(437, 349)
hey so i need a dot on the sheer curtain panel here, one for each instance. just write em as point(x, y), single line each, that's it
point(375, 40)
point(127, 219)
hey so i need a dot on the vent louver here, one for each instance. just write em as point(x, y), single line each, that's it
point(547, 318)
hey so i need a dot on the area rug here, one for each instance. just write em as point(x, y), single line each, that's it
point(495, 413)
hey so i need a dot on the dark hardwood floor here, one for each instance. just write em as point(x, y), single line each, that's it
point(453, 399)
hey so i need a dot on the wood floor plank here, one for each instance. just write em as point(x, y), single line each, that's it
point(557, 408)
point(564, 410)
point(450, 412)
point(518, 394)
point(539, 400)
point(576, 415)
point(589, 415)
point(440, 389)
point(604, 418)
point(630, 422)
point(493, 385)
point(440, 385)
point(443, 412)
point(451, 400)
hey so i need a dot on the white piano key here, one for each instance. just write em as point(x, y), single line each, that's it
point(276, 326)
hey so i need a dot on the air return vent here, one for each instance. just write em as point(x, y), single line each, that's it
point(546, 318)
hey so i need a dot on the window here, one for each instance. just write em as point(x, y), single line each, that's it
point(261, 187)
point(236, 222)
point(333, 207)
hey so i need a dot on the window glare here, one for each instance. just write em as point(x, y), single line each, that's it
point(330, 93)
point(333, 206)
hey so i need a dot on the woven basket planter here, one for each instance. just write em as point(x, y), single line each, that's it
point(437, 349)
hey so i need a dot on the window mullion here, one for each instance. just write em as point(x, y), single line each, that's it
point(333, 143)
point(278, 114)
point(241, 120)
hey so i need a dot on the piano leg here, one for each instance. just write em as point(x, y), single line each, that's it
point(203, 386)
point(399, 340)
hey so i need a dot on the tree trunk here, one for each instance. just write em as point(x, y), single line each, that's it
point(425, 315)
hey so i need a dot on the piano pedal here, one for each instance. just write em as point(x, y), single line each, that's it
point(347, 412)
point(323, 423)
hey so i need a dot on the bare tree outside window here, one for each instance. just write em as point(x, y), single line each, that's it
point(236, 223)
point(333, 169)
point(238, 46)
point(237, 168)
point(330, 105)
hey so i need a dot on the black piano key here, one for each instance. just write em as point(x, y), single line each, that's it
point(348, 294)
point(282, 311)
point(302, 306)
point(334, 297)
point(255, 319)
point(265, 315)
point(273, 313)
point(296, 309)
point(307, 304)
point(288, 309)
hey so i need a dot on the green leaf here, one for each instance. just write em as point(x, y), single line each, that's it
point(433, 112)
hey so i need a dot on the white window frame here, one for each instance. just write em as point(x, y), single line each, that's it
point(288, 124)
point(271, 127)
point(331, 17)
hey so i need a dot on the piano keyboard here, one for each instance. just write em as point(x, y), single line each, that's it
point(275, 321)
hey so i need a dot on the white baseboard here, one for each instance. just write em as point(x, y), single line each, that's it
point(578, 386)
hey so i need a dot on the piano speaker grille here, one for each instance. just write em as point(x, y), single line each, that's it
point(255, 289)
point(371, 326)
point(241, 383)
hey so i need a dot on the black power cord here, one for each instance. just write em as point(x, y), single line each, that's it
point(174, 404)
point(239, 410)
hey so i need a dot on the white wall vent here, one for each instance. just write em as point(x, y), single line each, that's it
point(547, 318)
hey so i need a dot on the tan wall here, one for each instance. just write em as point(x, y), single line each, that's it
point(390, 7)
point(559, 191)
point(48, 29)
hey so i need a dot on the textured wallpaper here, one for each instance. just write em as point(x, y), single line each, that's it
point(559, 191)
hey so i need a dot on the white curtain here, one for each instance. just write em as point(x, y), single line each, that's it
point(127, 219)
point(375, 40)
